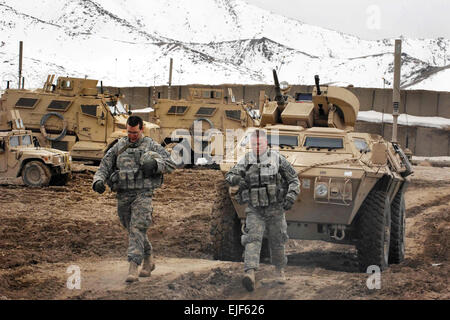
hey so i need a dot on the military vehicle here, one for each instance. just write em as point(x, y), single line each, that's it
point(194, 121)
point(352, 183)
point(70, 116)
point(37, 166)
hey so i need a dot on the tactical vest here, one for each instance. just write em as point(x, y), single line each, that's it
point(129, 175)
point(265, 185)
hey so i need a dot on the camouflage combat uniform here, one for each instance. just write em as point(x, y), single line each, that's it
point(269, 179)
point(120, 169)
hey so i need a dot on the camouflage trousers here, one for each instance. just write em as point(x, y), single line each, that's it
point(258, 220)
point(135, 213)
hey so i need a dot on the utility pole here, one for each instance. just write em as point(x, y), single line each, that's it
point(396, 87)
point(169, 89)
point(20, 62)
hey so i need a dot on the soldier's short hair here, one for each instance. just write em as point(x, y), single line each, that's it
point(258, 134)
point(133, 121)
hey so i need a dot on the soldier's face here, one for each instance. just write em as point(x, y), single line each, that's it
point(134, 133)
point(259, 145)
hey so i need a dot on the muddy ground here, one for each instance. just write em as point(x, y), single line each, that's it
point(45, 232)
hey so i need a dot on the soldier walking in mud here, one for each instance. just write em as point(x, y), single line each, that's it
point(133, 168)
point(270, 186)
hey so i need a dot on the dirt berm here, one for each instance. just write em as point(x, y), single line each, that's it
point(46, 231)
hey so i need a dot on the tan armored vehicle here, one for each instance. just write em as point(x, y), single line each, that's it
point(37, 166)
point(70, 116)
point(352, 183)
point(193, 121)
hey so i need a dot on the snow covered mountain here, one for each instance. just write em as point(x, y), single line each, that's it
point(129, 43)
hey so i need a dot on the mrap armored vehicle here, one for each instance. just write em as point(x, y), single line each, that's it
point(195, 121)
point(352, 183)
point(70, 115)
point(38, 167)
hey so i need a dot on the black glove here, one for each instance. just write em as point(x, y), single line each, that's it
point(149, 167)
point(288, 203)
point(99, 186)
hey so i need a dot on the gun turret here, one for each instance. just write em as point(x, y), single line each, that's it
point(328, 107)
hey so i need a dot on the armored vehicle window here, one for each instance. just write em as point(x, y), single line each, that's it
point(14, 141)
point(303, 97)
point(26, 140)
point(66, 84)
point(26, 103)
point(208, 94)
point(89, 109)
point(177, 110)
point(59, 105)
point(116, 107)
point(282, 140)
point(322, 142)
point(233, 114)
point(205, 111)
point(360, 144)
point(217, 94)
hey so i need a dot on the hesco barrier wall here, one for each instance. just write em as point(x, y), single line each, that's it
point(422, 141)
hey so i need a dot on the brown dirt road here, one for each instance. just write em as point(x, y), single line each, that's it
point(45, 231)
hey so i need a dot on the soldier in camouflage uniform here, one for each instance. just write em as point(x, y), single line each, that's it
point(270, 186)
point(133, 168)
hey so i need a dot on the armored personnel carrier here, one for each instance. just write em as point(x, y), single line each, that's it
point(194, 121)
point(38, 167)
point(70, 115)
point(352, 183)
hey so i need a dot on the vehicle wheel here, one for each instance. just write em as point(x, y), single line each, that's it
point(225, 227)
point(36, 174)
point(397, 247)
point(60, 179)
point(374, 226)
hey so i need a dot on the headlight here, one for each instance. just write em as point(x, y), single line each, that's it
point(58, 160)
point(321, 190)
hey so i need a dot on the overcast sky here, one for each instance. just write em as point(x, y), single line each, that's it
point(369, 19)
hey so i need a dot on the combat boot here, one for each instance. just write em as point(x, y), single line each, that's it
point(148, 267)
point(249, 280)
point(280, 276)
point(132, 272)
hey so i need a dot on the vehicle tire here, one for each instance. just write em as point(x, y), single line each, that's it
point(60, 179)
point(374, 225)
point(397, 247)
point(36, 174)
point(225, 227)
point(44, 119)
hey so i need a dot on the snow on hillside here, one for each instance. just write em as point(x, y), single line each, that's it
point(130, 42)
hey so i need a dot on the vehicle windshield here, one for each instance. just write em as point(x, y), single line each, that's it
point(118, 108)
point(14, 141)
point(275, 140)
point(282, 140)
point(325, 143)
point(26, 140)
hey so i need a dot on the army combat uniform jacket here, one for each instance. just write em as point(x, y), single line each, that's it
point(267, 181)
point(120, 169)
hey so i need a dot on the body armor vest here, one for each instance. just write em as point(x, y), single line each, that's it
point(129, 175)
point(265, 184)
